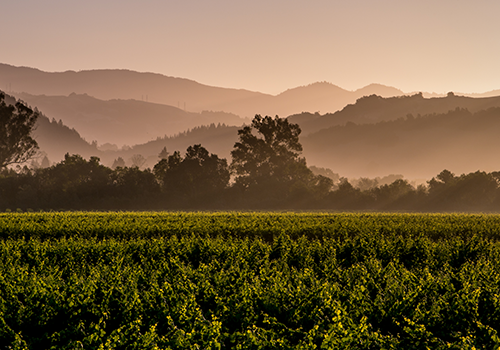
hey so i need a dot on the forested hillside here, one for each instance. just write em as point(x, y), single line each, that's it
point(124, 122)
point(375, 137)
point(56, 139)
point(416, 146)
point(373, 108)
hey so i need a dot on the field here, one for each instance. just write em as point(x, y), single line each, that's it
point(249, 281)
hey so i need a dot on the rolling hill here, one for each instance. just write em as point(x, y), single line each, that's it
point(56, 139)
point(368, 137)
point(373, 109)
point(123, 122)
point(417, 147)
point(183, 93)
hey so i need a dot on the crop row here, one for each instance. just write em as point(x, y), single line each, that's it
point(123, 225)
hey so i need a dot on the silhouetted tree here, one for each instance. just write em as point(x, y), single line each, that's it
point(268, 155)
point(325, 172)
point(395, 195)
point(74, 183)
point(137, 160)
point(118, 162)
point(199, 176)
point(16, 124)
point(134, 186)
point(365, 184)
point(257, 158)
point(268, 166)
point(348, 197)
point(167, 172)
point(163, 153)
point(45, 162)
point(440, 189)
point(474, 191)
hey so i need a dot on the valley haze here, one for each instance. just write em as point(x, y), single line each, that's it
point(367, 132)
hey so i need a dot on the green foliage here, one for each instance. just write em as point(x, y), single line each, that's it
point(249, 281)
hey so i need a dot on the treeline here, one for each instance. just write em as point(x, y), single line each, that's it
point(478, 191)
point(266, 172)
point(199, 180)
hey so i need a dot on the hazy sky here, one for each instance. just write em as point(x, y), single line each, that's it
point(267, 46)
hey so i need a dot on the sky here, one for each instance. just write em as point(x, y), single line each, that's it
point(268, 46)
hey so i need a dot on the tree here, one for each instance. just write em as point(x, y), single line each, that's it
point(118, 162)
point(268, 166)
point(167, 173)
point(16, 124)
point(137, 160)
point(205, 174)
point(45, 162)
point(199, 176)
point(267, 155)
point(74, 183)
point(444, 180)
point(134, 186)
point(163, 153)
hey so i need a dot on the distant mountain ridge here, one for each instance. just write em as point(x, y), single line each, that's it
point(183, 93)
point(371, 135)
point(123, 122)
point(373, 109)
point(417, 147)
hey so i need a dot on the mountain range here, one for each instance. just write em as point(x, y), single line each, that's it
point(189, 95)
point(418, 146)
point(373, 109)
point(373, 131)
point(123, 122)
point(184, 94)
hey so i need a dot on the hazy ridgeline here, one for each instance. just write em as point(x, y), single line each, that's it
point(356, 154)
point(375, 137)
point(371, 132)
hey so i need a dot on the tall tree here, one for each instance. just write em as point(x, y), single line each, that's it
point(269, 148)
point(268, 166)
point(16, 124)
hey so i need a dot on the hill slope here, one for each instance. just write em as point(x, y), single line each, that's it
point(183, 93)
point(417, 147)
point(373, 109)
point(56, 139)
point(217, 139)
point(123, 122)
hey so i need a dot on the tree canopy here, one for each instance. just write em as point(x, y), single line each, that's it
point(268, 166)
point(198, 176)
point(266, 149)
point(16, 124)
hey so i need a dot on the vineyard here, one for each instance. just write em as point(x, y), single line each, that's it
point(249, 281)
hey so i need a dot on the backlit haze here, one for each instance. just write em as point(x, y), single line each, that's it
point(266, 46)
